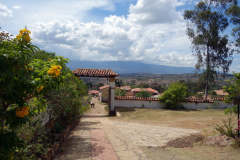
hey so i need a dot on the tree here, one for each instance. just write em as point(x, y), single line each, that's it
point(233, 88)
point(119, 92)
point(157, 86)
point(89, 85)
point(143, 94)
point(143, 85)
point(133, 82)
point(175, 93)
point(205, 28)
point(100, 85)
point(234, 12)
point(118, 83)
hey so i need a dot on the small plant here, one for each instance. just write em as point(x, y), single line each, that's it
point(205, 130)
point(106, 108)
point(216, 103)
point(231, 110)
point(208, 107)
point(142, 105)
point(227, 129)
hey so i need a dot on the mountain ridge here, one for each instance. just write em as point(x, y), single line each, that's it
point(130, 67)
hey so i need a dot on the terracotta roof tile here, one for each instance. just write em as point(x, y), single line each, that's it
point(94, 72)
point(220, 92)
point(156, 99)
point(136, 98)
point(125, 87)
point(151, 90)
point(103, 87)
point(93, 91)
point(136, 90)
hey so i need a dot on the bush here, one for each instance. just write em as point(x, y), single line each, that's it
point(227, 129)
point(231, 110)
point(38, 146)
point(172, 97)
point(143, 94)
point(65, 103)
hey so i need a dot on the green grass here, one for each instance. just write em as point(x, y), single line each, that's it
point(85, 109)
point(86, 97)
point(106, 108)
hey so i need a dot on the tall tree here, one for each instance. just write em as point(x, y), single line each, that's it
point(205, 28)
point(234, 12)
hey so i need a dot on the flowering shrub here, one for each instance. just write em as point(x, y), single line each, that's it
point(22, 75)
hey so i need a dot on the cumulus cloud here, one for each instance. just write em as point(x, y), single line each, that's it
point(17, 7)
point(154, 11)
point(161, 41)
point(115, 39)
point(5, 11)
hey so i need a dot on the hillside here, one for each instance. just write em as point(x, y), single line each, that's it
point(130, 67)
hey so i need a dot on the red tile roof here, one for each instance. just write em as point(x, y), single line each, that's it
point(220, 92)
point(103, 87)
point(94, 72)
point(144, 89)
point(125, 87)
point(151, 90)
point(93, 92)
point(106, 86)
point(136, 98)
point(136, 90)
point(156, 99)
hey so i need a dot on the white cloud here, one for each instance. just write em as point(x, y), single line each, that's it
point(17, 7)
point(116, 39)
point(154, 11)
point(5, 11)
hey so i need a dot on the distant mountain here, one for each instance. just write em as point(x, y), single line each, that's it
point(121, 67)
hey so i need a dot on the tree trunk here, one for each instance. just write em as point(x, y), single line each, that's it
point(208, 68)
point(206, 91)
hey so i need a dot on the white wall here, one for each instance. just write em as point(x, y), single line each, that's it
point(156, 104)
point(192, 105)
point(138, 103)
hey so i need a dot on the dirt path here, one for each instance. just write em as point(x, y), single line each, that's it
point(98, 108)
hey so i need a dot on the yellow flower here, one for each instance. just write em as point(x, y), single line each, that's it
point(22, 112)
point(31, 69)
point(39, 88)
point(55, 70)
point(25, 33)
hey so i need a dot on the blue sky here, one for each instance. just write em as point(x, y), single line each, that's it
point(151, 31)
